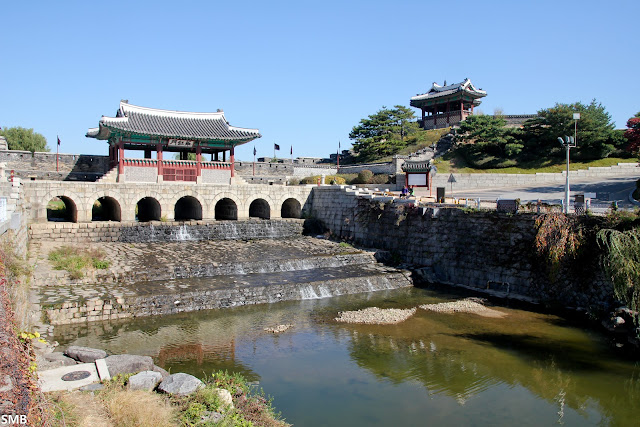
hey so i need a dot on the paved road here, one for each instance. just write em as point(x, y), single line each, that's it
point(607, 190)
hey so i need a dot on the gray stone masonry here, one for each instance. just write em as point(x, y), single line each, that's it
point(157, 231)
point(482, 250)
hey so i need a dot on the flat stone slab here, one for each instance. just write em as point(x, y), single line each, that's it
point(85, 354)
point(180, 384)
point(51, 380)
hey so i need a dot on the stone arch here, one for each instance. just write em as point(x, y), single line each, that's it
point(57, 212)
point(226, 208)
point(291, 208)
point(149, 209)
point(187, 208)
point(106, 209)
point(259, 208)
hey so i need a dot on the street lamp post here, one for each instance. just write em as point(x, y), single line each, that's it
point(569, 142)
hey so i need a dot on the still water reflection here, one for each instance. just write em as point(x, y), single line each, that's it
point(434, 369)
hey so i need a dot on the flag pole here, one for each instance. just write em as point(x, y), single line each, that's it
point(57, 153)
point(338, 157)
point(254, 161)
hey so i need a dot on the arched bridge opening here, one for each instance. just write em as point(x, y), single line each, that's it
point(226, 209)
point(188, 208)
point(291, 209)
point(148, 209)
point(260, 208)
point(106, 209)
point(62, 209)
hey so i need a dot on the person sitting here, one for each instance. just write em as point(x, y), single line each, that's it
point(404, 193)
point(411, 191)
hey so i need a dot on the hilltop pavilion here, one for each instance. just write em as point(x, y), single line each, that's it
point(149, 129)
point(444, 106)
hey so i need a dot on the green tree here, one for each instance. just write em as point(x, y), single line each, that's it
point(24, 139)
point(596, 137)
point(490, 135)
point(383, 133)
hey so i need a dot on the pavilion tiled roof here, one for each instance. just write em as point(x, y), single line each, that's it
point(133, 119)
point(416, 166)
point(438, 91)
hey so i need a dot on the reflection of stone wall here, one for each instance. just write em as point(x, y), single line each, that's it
point(482, 250)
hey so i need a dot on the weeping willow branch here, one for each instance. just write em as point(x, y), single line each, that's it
point(621, 262)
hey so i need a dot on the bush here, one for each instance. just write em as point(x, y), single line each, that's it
point(327, 180)
point(380, 179)
point(365, 176)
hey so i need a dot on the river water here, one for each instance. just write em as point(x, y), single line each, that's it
point(434, 369)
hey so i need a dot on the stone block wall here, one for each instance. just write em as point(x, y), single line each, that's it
point(482, 250)
point(42, 165)
point(136, 232)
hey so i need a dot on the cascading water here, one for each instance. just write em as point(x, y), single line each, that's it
point(183, 234)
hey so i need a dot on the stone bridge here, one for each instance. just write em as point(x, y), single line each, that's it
point(88, 201)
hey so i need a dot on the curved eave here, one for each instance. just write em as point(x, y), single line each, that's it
point(113, 130)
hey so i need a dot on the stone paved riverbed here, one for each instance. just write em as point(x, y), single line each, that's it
point(145, 279)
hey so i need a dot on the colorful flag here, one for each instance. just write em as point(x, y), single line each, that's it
point(58, 140)
point(292, 150)
point(254, 151)
point(276, 147)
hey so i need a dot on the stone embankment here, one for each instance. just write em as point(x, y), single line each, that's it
point(486, 251)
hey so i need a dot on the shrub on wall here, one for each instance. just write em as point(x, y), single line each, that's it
point(328, 179)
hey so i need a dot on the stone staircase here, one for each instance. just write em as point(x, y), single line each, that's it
point(109, 177)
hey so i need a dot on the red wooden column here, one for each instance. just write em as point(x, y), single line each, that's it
point(232, 158)
point(159, 157)
point(120, 157)
point(435, 124)
point(198, 159)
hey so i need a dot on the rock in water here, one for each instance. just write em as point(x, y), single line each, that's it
point(128, 364)
point(85, 354)
point(180, 384)
point(145, 380)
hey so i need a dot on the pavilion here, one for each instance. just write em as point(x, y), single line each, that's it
point(444, 106)
point(149, 129)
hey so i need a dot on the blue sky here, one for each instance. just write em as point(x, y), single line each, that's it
point(305, 73)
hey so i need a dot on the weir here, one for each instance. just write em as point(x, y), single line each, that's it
point(166, 268)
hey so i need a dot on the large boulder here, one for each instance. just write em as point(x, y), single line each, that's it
point(85, 354)
point(128, 364)
point(180, 384)
point(145, 380)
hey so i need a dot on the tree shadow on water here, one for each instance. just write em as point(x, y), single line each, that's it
point(566, 355)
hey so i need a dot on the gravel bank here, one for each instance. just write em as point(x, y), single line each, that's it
point(468, 305)
point(376, 316)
